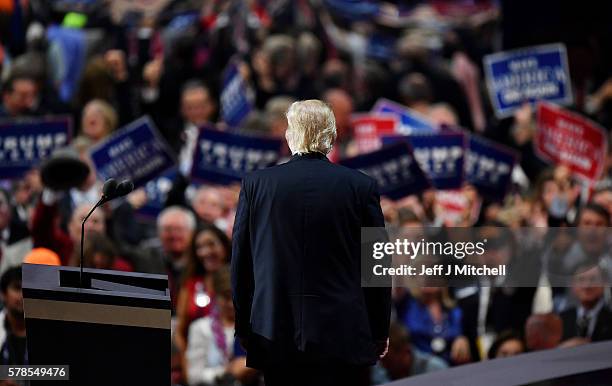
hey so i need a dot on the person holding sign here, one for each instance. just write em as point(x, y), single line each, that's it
point(301, 313)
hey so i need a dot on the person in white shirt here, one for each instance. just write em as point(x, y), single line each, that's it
point(210, 357)
point(197, 108)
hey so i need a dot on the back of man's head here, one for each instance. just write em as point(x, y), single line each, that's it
point(311, 127)
point(543, 331)
point(10, 277)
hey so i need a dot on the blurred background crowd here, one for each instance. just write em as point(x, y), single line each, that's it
point(107, 62)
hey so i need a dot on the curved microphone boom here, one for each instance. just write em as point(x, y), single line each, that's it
point(110, 191)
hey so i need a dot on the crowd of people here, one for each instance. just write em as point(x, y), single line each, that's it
point(106, 66)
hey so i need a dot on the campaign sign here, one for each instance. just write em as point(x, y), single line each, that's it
point(488, 166)
point(235, 102)
point(394, 169)
point(135, 152)
point(567, 138)
point(24, 143)
point(440, 156)
point(157, 193)
point(453, 208)
point(410, 121)
point(526, 75)
point(369, 128)
point(223, 158)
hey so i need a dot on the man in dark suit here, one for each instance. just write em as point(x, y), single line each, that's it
point(591, 319)
point(300, 309)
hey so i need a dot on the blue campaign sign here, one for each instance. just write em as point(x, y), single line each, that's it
point(135, 152)
point(488, 166)
point(440, 156)
point(411, 122)
point(394, 168)
point(157, 193)
point(527, 75)
point(223, 158)
point(235, 101)
point(26, 142)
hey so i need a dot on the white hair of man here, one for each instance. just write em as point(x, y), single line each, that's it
point(190, 220)
point(312, 127)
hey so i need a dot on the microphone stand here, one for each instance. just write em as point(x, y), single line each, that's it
point(110, 191)
point(102, 200)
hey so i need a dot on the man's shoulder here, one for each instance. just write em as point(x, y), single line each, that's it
point(291, 168)
point(355, 174)
point(265, 172)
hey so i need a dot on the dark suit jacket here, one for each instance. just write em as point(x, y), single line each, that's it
point(296, 263)
point(603, 325)
point(507, 311)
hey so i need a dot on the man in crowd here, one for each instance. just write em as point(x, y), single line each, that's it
point(19, 97)
point(14, 244)
point(592, 244)
point(208, 205)
point(591, 318)
point(169, 252)
point(197, 108)
point(12, 324)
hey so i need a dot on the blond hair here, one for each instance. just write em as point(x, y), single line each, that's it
point(311, 127)
point(108, 112)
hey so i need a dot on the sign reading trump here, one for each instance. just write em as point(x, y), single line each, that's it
point(440, 156)
point(569, 139)
point(394, 169)
point(24, 143)
point(134, 152)
point(488, 166)
point(527, 75)
point(223, 158)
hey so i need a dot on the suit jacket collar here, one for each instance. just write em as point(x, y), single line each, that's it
point(309, 155)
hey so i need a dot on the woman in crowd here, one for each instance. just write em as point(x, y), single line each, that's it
point(211, 250)
point(434, 322)
point(99, 120)
point(100, 252)
point(211, 357)
point(507, 344)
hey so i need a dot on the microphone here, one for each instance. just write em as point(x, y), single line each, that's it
point(110, 190)
point(124, 188)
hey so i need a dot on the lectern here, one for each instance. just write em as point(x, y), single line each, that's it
point(111, 328)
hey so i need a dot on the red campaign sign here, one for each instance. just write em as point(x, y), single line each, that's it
point(568, 139)
point(369, 128)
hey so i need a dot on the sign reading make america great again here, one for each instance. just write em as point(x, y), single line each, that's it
point(569, 139)
point(224, 158)
point(527, 75)
point(135, 152)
